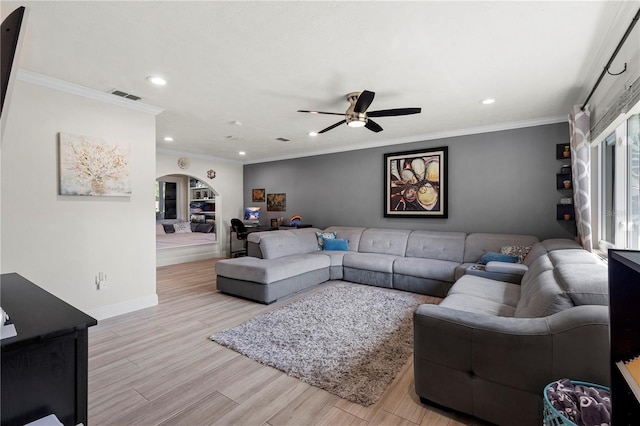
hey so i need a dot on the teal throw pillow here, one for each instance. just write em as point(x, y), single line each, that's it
point(338, 244)
point(322, 236)
point(491, 256)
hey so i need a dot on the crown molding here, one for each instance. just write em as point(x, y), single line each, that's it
point(424, 137)
point(195, 155)
point(75, 89)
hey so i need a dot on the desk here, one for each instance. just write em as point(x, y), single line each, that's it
point(44, 367)
point(249, 229)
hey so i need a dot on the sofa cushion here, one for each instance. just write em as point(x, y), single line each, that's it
point(541, 296)
point(335, 257)
point(477, 244)
point(434, 269)
point(266, 271)
point(573, 256)
point(585, 284)
point(384, 241)
point(499, 292)
point(279, 244)
point(436, 245)
point(541, 264)
point(552, 244)
point(478, 305)
point(375, 262)
point(307, 238)
point(536, 251)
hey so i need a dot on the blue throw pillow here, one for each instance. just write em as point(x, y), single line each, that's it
point(339, 244)
point(497, 257)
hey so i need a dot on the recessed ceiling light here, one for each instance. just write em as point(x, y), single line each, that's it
point(487, 101)
point(157, 80)
point(242, 153)
point(313, 133)
point(168, 139)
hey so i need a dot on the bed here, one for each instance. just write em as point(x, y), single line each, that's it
point(185, 242)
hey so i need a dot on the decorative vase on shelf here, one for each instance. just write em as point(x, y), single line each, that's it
point(567, 216)
point(566, 152)
point(567, 184)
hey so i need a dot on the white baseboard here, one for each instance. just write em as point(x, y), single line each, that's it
point(175, 258)
point(125, 307)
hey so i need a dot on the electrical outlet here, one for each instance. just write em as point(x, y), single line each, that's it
point(101, 280)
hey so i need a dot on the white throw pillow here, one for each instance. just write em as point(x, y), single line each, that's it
point(182, 228)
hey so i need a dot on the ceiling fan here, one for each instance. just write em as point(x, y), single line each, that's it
point(357, 115)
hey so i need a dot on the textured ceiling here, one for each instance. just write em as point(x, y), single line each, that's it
point(257, 63)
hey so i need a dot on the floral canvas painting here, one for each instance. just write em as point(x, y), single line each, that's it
point(93, 166)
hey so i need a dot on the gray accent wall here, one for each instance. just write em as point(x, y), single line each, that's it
point(503, 181)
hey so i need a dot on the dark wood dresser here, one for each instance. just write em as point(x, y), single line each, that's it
point(44, 367)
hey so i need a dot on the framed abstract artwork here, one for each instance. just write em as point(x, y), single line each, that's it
point(93, 166)
point(416, 183)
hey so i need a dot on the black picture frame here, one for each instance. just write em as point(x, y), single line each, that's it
point(416, 183)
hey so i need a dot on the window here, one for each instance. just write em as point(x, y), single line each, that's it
point(620, 186)
point(607, 211)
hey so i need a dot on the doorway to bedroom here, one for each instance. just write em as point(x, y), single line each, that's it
point(187, 212)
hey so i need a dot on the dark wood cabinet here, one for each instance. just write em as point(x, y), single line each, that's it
point(624, 331)
point(44, 367)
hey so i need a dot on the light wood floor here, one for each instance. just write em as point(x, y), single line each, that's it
point(157, 366)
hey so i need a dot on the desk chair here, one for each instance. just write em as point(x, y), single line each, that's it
point(241, 234)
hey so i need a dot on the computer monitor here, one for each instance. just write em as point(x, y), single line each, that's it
point(252, 216)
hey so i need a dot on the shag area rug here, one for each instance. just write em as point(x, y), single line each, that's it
point(348, 340)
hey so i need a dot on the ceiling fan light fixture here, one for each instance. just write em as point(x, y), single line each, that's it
point(356, 123)
point(487, 101)
point(313, 133)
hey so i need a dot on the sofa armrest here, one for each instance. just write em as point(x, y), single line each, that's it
point(499, 271)
point(506, 268)
point(523, 353)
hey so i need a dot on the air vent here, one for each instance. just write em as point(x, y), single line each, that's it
point(283, 139)
point(125, 95)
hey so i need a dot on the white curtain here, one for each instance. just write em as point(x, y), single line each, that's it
point(579, 127)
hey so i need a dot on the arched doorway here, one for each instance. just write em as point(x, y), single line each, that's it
point(188, 204)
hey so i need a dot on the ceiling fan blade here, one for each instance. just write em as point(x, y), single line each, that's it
point(392, 112)
point(373, 126)
point(364, 100)
point(320, 112)
point(332, 126)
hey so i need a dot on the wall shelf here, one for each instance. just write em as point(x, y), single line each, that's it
point(565, 209)
point(561, 148)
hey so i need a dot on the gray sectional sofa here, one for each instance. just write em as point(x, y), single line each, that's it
point(426, 262)
point(503, 330)
point(490, 347)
